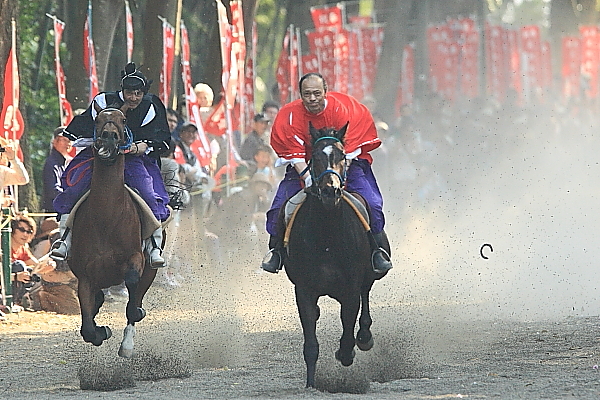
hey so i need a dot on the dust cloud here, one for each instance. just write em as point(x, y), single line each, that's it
point(525, 183)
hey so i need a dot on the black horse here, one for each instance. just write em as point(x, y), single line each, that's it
point(328, 252)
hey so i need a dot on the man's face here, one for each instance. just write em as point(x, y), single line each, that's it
point(172, 121)
point(188, 136)
point(261, 126)
point(271, 112)
point(61, 144)
point(132, 98)
point(313, 94)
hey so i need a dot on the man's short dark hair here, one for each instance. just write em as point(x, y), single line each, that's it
point(310, 74)
point(270, 104)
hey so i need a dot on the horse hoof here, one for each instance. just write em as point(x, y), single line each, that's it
point(104, 333)
point(142, 314)
point(347, 361)
point(365, 346)
point(125, 353)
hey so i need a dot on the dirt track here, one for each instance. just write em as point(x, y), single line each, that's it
point(238, 337)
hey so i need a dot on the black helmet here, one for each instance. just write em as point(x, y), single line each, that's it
point(133, 79)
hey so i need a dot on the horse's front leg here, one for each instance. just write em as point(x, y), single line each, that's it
point(364, 338)
point(134, 311)
point(309, 314)
point(349, 305)
point(90, 303)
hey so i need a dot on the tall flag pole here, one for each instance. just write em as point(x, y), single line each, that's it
point(129, 30)
point(167, 61)
point(65, 109)
point(89, 54)
point(178, 32)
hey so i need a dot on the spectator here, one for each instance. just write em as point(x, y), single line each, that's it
point(41, 244)
point(175, 122)
point(44, 284)
point(187, 156)
point(255, 139)
point(270, 110)
point(263, 162)
point(12, 170)
point(205, 97)
point(55, 165)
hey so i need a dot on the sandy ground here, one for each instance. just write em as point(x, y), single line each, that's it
point(234, 333)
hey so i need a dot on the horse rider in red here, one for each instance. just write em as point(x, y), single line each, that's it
point(291, 140)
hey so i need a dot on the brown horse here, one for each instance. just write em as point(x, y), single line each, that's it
point(107, 246)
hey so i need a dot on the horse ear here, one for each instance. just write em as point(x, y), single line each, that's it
point(342, 132)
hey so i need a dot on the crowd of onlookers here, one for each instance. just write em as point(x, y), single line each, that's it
point(424, 157)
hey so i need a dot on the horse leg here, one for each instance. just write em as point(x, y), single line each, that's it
point(364, 338)
point(309, 314)
point(349, 311)
point(133, 312)
point(90, 305)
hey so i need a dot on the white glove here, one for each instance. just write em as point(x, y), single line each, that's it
point(307, 180)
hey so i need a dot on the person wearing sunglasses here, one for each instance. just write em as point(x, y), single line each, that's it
point(147, 121)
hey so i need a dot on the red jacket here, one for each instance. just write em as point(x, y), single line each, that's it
point(290, 137)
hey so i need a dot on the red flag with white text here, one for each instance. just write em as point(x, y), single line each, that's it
point(167, 61)
point(89, 54)
point(328, 17)
point(66, 111)
point(200, 146)
point(12, 120)
point(571, 66)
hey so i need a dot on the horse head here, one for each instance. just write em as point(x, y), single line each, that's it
point(111, 135)
point(328, 164)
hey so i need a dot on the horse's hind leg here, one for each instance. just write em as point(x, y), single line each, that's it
point(309, 314)
point(349, 306)
point(90, 304)
point(364, 338)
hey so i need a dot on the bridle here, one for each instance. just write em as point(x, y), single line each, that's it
point(317, 179)
point(123, 144)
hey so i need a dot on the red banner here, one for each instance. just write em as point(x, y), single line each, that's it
point(496, 66)
point(282, 72)
point(12, 120)
point(248, 96)
point(168, 50)
point(328, 17)
point(590, 58)
point(89, 54)
point(129, 31)
point(238, 56)
point(531, 57)
point(200, 146)
point(66, 111)
point(469, 61)
point(571, 66)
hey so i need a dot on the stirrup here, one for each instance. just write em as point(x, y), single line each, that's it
point(386, 265)
point(55, 254)
point(270, 264)
point(159, 262)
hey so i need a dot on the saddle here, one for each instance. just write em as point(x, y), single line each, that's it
point(354, 200)
point(147, 218)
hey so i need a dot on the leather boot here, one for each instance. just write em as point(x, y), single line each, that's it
point(273, 261)
point(380, 256)
point(60, 248)
point(153, 250)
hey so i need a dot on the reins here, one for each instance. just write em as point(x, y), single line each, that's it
point(127, 132)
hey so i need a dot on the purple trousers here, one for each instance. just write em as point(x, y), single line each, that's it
point(141, 173)
point(359, 179)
